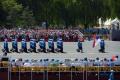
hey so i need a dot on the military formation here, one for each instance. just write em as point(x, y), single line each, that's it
point(42, 46)
point(33, 43)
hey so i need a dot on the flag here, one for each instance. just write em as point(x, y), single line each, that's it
point(96, 41)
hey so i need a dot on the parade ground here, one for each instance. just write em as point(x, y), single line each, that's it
point(111, 48)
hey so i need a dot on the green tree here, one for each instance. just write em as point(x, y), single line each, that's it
point(57, 12)
point(3, 15)
point(12, 8)
point(115, 8)
point(27, 19)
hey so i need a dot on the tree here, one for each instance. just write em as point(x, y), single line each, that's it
point(3, 15)
point(12, 9)
point(57, 12)
point(115, 8)
point(27, 19)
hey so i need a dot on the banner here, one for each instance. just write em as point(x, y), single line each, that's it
point(65, 69)
point(92, 69)
point(37, 68)
point(81, 69)
point(53, 69)
point(104, 69)
point(116, 69)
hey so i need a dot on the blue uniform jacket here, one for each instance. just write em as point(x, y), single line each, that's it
point(59, 43)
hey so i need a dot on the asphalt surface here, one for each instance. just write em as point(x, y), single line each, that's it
point(111, 48)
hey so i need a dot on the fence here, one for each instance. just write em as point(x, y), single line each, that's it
point(7, 72)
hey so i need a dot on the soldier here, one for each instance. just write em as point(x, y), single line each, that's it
point(50, 45)
point(42, 45)
point(31, 40)
point(5, 46)
point(80, 48)
point(31, 45)
point(102, 46)
point(14, 46)
point(60, 45)
point(24, 45)
point(34, 45)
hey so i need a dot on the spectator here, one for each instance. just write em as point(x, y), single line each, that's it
point(27, 63)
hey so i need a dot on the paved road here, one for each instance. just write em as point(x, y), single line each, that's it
point(112, 48)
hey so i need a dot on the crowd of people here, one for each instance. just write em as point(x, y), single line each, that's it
point(67, 62)
point(67, 35)
point(102, 32)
